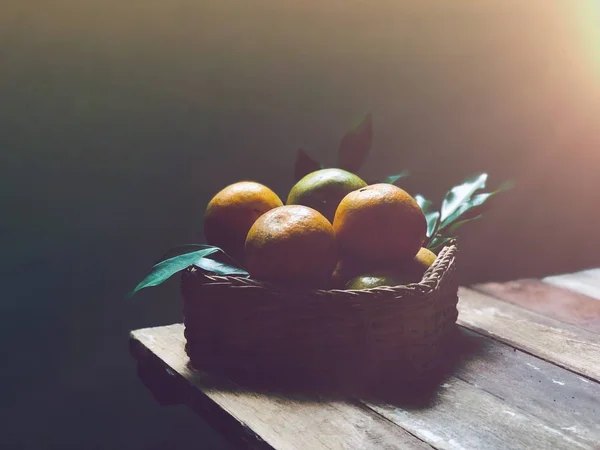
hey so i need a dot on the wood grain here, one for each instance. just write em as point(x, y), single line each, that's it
point(467, 418)
point(501, 398)
point(549, 300)
point(268, 421)
point(565, 345)
point(569, 402)
point(497, 398)
point(586, 282)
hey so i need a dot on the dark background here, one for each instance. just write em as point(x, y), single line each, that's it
point(120, 119)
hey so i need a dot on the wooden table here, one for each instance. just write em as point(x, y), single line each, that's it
point(530, 379)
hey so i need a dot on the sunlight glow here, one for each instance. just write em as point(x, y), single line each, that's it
point(588, 29)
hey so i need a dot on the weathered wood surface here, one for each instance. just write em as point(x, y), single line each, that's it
point(468, 418)
point(586, 282)
point(497, 398)
point(526, 374)
point(552, 301)
point(501, 398)
point(563, 398)
point(565, 345)
point(257, 420)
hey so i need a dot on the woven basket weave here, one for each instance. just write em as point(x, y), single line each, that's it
point(248, 327)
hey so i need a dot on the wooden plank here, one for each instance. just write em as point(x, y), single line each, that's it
point(565, 345)
point(467, 418)
point(586, 282)
point(273, 421)
point(567, 400)
point(549, 300)
point(499, 397)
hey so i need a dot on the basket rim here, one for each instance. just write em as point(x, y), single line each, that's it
point(427, 284)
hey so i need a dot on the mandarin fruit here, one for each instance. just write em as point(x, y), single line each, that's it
point(416, 267)
point(232, 212)
point(324, 189)
point(379, 224)
point(402, 272)
point(375, 279)
point(292, 245)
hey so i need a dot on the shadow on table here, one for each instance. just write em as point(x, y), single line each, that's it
point(463, 348)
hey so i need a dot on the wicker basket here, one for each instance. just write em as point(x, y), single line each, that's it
point(245, 327)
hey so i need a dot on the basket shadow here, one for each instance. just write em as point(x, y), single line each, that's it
point(460, 349)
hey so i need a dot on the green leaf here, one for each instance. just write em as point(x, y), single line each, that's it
point(460, 194)
point(439, 242)
point(305, 164)
point(426, 205)
point(431, 215)
point(474, 206)
point(432, 222)
point(459, 207)
point(182, 249)
point(164, 270)
point(393, 178)
point(355, 146)
point(471, 208)
point(456, 225)
point(221, 267)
